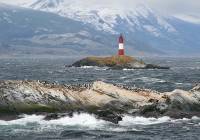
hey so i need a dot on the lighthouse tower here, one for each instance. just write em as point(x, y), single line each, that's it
point(121, 46)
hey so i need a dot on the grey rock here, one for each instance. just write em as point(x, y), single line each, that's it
point(105, 100)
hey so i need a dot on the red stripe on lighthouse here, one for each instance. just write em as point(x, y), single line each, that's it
point(121, 52)
point(121, 39)
point(121, 45)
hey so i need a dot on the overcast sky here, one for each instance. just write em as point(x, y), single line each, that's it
point(189, 7)
point(171, 7)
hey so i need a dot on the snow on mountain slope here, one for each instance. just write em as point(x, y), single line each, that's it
point(27, 31)
point(146, 31)
point(16, 2)
point(104, 17)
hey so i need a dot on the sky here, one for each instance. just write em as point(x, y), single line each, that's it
point(188, 10)
point(168, 7)
point(189, 7)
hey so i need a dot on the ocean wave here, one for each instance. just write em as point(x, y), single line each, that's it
point(188, 68)
point(84, 120)
point(193, 68)
point(91, 122)
point(129, 120)
point(134, 121)
point(123, 77)
point(186, 84)
point(94, 67)
point(24, 120)
point(129, 69)
point(87, 67)
point(152, 80)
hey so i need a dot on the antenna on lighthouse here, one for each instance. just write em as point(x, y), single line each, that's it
point(121, 45)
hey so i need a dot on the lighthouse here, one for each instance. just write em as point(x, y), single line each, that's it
point(121, 46)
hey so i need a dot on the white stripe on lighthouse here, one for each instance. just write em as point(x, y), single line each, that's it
point(121, 46)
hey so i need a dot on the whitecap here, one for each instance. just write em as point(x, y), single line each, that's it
point(86, 67)
point(101, 68)
point(186, 84)
point(195, 118)
point(83, 119)
point(129, 120)
point(178, 83)
point(24, 120)
point(194, 68)
point(128, 69)
point(88, 121)
point(152, 80)
point(80, 120)
point(123, 77)
point(94, 67)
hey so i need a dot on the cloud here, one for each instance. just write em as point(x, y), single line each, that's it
point(169, 7)
point(176, 7)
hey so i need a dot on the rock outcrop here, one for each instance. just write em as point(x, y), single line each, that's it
point(115, 62)
point(107, 101)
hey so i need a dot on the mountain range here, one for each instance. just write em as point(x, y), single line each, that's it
point(69, 28)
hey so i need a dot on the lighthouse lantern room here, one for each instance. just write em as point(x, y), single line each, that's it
point(121, 46)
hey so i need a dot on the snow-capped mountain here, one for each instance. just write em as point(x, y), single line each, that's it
point(105, 17)
point(28, 31)
point(146, 31)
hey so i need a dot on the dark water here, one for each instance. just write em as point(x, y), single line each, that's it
point(184, 74)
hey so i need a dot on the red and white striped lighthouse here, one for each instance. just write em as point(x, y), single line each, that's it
point(121, 46)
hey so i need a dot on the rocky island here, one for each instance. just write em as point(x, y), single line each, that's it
point(115, 62)
point(106, 101)
point(118, 62)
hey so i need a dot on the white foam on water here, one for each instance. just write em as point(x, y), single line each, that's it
point(195, 118)
point(123, 77)
point(81, 120)
point(128, 69)
point(24, 120)
point(103, 68)
point(186, 84)
point(84, 120)
point(178, 83)
point(129, 120)
point(87, 67)
point(151, 80)
point(194, 68)
point(94, 67)
point(89, 121)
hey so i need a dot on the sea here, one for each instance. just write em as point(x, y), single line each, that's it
point(184, 73)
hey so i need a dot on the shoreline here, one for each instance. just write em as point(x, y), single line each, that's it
point(106, 101)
